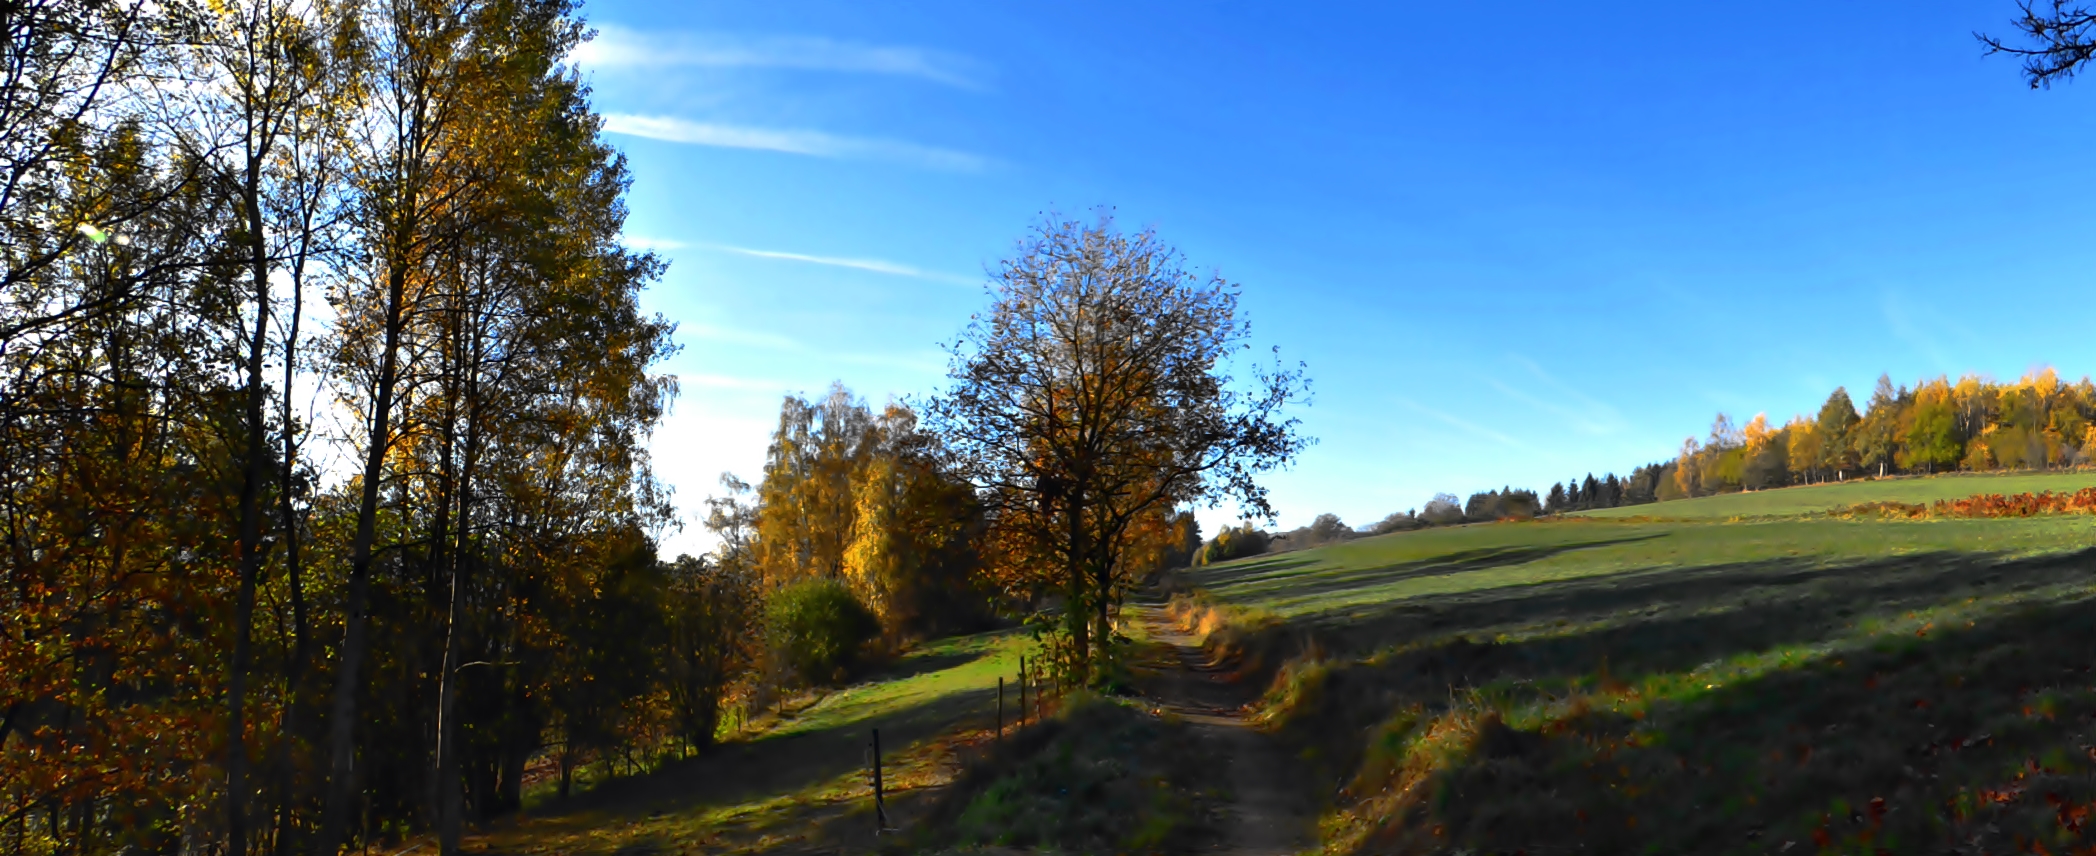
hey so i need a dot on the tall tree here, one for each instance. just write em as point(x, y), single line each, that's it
point(415, 199)
point(1876, 437)
point(1095, 390)
point(816, 454)
point(1836, 426)
point(265, 67)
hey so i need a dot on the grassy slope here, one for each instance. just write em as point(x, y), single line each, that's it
point(797, 780)
point(1694, 684)
point(1802, 500)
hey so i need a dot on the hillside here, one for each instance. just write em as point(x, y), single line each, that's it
point(1688, 681)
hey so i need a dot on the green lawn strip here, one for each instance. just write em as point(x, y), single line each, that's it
point(977, 662)
point(992, 655)
point(1821, 497)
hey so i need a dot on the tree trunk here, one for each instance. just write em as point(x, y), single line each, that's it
point(447, 778)
point(252, 473)
point(448, 783)
point(294, 669)
point(1102, 635)
point(1074, 612)
point(348, 678)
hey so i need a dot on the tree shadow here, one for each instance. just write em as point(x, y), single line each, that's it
point(1339, 581)
point(1968, 738)
point(753, 772)
point(1874, 741)
point(1219, 576)
point(1669, 615)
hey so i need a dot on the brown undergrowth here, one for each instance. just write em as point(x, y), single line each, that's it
point(1985, 505)
point(1250, 644)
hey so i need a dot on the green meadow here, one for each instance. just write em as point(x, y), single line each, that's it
point(1741, 673)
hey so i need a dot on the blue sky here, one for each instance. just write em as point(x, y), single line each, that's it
point(1515, 242)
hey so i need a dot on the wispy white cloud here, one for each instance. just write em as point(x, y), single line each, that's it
point(733, 336)
point(1466, 425)
point(1571, 416)
point(791, 141)
point(930, 362)
point(719, 381)
point(620, 47)
point(645, 244)
point(927, 363)
point(871, 265)
point(1902, 322)
point(1578, 409)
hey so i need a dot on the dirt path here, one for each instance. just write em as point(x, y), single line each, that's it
point(1268, 813)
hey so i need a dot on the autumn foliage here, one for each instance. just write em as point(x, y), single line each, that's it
point(1982, 505)
point(278, 578)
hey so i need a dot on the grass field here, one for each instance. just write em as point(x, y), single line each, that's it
point(796, 781)
point(1821, 497)
point(1690, 682)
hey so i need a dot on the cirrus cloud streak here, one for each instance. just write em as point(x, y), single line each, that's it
point(620, 47)
point(671, 129)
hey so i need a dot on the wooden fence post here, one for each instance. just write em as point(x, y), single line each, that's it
point(880, 806)
point(1000, 707)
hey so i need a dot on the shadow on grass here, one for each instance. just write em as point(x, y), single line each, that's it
point(1976, 737)
point(741, 772)
point(1668, 618)
point(1242, 583)
point(1214, 577)
point(748, 774)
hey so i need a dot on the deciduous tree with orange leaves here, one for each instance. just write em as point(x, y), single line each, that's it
point(1096, 391)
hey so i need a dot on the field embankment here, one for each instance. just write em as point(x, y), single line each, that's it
point(1794, 684)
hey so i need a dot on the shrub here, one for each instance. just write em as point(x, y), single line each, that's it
point(816, 628)
point(1235, 542)
point(1442, 510)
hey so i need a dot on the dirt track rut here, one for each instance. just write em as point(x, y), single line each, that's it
point(1267, 813)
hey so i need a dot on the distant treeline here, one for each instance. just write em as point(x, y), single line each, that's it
point(1973, 424)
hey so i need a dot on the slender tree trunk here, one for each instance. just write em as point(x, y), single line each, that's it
point(253, 472)
point(447, 718)
point(442, 776)
point(348, 678)
point(1075, 611)
point(1102, 636)
point(294, 669)
point(448, 783)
